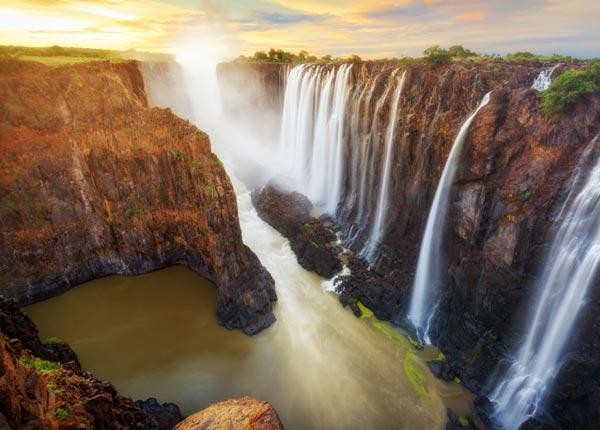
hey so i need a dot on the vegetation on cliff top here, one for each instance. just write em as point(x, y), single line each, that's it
point(59, 55)
point(570, 87)
point(434, 55)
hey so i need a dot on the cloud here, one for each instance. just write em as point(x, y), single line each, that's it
point(371, 28)
point(280, 19)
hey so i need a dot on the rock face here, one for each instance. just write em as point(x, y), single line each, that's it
point(513, 176)
point(311, 241)
point(246, 413)
point(42, 389)
point(93, 182)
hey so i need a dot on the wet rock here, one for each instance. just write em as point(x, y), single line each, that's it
point(246, 413)
point(289, 213)
point(164, 416)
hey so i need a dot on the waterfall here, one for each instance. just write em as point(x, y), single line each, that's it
point(570, 269)
point(328, 119)
point(312, 131)
point(377, 228)
point(544, 79)
point(425, 289)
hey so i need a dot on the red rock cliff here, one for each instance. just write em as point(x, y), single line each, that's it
point(93, 182)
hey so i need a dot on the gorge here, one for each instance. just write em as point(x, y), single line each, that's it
point(439, 198)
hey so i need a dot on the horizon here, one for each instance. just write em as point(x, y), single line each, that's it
point(370, 29)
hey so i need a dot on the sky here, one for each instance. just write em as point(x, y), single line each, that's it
point(372, 29)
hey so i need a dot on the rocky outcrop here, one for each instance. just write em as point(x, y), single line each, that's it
point(43, 389)
point(93, 182)
point(246, 413)
point(311, 239)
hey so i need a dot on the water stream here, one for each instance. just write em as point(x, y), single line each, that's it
point(570, 269)
point(427, 280)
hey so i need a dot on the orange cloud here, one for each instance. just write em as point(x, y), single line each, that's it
point(472, 16)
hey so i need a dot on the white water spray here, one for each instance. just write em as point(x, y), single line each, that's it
point(544, 79)
point(426, 286)
point(571, 267)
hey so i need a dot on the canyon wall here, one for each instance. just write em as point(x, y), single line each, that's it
point(513, 176)
point(93, 182)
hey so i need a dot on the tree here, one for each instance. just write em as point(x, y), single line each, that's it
point(459, 52)
point(436, 56)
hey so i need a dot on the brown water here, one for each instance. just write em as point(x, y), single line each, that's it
point(320, 366)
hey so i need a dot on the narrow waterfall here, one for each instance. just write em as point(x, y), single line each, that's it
point(570, 269)
point(425, 289)
point(544, 79)
point(312, 132)
point(378, 227)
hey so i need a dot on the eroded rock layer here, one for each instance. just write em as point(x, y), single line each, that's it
point(93, 182)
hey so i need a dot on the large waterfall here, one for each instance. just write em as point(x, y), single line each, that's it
point(312, 130)
point(426, 286)
point(571, 267)
point(329, 120)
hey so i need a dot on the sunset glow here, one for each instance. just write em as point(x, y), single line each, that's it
point(369, 28)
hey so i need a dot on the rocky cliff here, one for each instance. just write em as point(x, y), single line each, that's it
point(93, 182)
point(513, 176)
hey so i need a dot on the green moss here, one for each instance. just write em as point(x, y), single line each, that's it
point(526, 195)
point(176, 154)
point(365, 312)
point(414, 374)
point(209, 188)
point(463, 421)
point(61, 413)
point(130, 212)
point(41, 366)
point(457, 380)
point(51, 341)
point(9, 203)
point(196, 164)
point(53, 388)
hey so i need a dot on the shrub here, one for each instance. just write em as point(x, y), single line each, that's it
point(61, 413)
point(570, 87)
point(459, 52)
point(436, 56)
point(176, 154)
point(196, 164)
point(522, 55)
point(51, 341)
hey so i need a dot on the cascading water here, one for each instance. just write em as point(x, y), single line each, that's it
point(426, 286)
point(377, 227)
point(327, 119)
point(571, 267)
point(312, 130)
point(544, 79)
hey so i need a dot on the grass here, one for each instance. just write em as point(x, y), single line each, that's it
point(64, 61)
point(41, 366)
point(59, 55)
